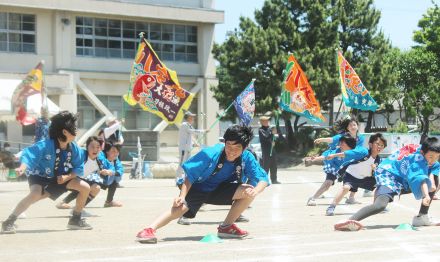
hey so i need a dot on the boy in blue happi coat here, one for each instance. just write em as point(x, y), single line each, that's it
point(219, 175)
point(410, 169)
point(53, 167)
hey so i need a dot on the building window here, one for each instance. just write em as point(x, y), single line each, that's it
point(98, 37)
point(135, 118)
point(17, 32)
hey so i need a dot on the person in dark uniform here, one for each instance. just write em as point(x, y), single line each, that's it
point(267, 141)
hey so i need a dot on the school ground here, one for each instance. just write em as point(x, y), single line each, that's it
point(282, 228)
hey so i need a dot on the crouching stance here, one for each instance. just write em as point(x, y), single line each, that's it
point(53, 166)
point(410, 169)
point(219, 175)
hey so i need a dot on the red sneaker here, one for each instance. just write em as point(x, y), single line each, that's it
point(348, 225)
point(146, 236)
point(231, 231)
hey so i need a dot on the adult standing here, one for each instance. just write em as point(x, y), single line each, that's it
point(267, 141)
point(186, 132)
point(112, 133)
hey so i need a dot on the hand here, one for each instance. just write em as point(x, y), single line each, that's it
point(426, 201)
point(106, 172)
point(317, 141)
point(373, 167)
point(249, 190)
point(62, 179)
point(19, 171)
point(178, 201)
point(329, 157)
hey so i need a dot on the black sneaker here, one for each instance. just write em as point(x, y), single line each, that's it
point(8, 227)
point(78, 224)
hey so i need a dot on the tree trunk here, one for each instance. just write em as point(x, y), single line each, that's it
point(289, 132)
point(330, 113)
point(295, 124)
point(425, 129)
point(369, 122)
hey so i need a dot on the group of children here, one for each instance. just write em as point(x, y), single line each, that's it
point(226, 174)
point(413, 168)
point(57, 165)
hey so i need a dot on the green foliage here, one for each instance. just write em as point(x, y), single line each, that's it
point(398, 127)
point(429, 33)
point(312, 30)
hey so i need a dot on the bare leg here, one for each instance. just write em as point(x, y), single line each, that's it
point(324, 187)
point(241, 202)
point(168, 216)
point(83, 192)
point(33, 196)
point(344, 190)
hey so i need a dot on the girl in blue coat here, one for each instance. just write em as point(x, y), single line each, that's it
point(111, 154)
point(53, 166)
point(95, 171)
point(409, 169)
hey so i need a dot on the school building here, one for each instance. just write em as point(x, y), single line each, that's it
point(88, 47)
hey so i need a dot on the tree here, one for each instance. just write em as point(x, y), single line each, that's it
point(312, 30)
point(419, 78)
point(429, 33)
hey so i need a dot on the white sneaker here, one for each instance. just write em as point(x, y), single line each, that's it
point(311, 202)
point(352, 201)
point(368, 193)
point(184, 221)
point(424, 220)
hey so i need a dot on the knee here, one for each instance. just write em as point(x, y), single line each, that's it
point(84, 187)
point(95, 189)
point(34, 196)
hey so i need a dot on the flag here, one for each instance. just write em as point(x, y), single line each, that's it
point(297, 95)
point(354, 93)
point(245, 104)
point(31, 85)
point(155, 88)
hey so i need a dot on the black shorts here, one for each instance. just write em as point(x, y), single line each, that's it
point(330, 177)
point(49, 185)
point(368, 183)
point(222, 195)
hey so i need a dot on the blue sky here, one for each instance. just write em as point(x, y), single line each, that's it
point(398, 21)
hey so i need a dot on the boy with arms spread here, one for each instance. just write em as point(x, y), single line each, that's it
point(359, 173)
point(53, 166)
point(215, 176)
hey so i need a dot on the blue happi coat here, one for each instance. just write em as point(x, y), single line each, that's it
point(115, 166)
point(40, 159)
point(406, 169)
point(199, 167)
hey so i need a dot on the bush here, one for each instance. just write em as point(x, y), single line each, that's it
point(398, 127)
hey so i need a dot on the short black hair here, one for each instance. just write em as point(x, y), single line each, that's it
point(91, 139)
point(60, 121)
point(431, 144)
point(349, 140)
point(342, 124)
point(109, 145)
point(377, 136)
point(239, 133)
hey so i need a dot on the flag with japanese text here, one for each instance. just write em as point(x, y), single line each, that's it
point(155, 88)
point(354, 93)
point(297, 95)
point(31, 85)
point(245, 104)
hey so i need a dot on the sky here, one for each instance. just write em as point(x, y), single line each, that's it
point(398, 20)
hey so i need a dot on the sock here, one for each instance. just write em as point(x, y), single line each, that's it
point(76, 215)
point(223, 225)
point(89, 198)
point(11, 218)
